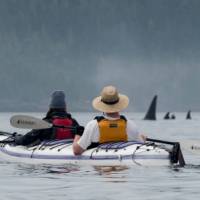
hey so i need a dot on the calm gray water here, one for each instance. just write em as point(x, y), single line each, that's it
point(22, 181)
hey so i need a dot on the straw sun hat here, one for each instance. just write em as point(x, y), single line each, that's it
point(110, 100)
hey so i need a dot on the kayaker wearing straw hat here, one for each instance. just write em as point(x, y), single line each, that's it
point(111, 126)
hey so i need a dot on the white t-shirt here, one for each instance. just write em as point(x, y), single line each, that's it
point(91, 132)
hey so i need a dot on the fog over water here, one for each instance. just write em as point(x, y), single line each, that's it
point(144, 47)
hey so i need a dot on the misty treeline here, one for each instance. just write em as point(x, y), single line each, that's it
point(144, 47)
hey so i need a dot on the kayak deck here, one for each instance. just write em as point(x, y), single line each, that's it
point(108, 154)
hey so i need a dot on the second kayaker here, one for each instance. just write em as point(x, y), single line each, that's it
point(58, 116)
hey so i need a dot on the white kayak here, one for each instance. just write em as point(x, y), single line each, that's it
point(109, 154)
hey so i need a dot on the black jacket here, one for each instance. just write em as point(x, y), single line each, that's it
point(37, 136)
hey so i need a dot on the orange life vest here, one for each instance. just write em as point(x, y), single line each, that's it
point(112, 130)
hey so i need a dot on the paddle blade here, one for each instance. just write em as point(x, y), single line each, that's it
point(28, 122)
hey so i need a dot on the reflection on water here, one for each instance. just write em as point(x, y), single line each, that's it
point(109, 169)
point(115, 174)
point(30, 169)
point(63, 170)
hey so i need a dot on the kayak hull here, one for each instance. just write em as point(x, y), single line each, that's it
point(111, 154)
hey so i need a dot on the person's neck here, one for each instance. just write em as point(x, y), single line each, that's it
point(113, 115)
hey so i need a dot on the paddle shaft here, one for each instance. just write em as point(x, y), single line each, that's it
point(160, 141)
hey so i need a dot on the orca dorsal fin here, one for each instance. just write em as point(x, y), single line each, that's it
point(167, 115)
point(188, 116)
point(151, 113)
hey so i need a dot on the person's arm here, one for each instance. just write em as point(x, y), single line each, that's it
point(77, 149)
point(142, 137)
point(133, 132)
point(80, 144)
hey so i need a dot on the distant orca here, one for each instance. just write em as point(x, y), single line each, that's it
point(167, 115)
point(173, 116)
point(151, 113)
point(188, 116)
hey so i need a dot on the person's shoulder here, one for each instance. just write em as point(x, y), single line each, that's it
point(47, 119)
point(132, 128)
point(91, 126)
point(123, 117)
point(69, 116)
point(92, 122)
point(99, 118)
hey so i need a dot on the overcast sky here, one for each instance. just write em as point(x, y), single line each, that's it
point(144, 47)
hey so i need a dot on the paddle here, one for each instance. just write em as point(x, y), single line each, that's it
point(28, 122)
point(176, 153)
